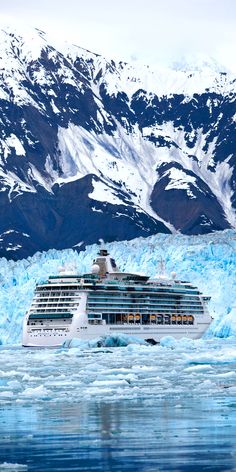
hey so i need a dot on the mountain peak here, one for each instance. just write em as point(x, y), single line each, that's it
point(92, 148)
point(200, 63)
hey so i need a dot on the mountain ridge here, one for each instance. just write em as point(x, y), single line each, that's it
point(140, 151)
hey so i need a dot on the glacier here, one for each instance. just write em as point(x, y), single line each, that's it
point(124, 405)
point(208, 261)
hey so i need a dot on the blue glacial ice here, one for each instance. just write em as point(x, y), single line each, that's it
point(115, 340)
point(209, 261)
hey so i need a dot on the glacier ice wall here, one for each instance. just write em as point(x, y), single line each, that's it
point(209, 261)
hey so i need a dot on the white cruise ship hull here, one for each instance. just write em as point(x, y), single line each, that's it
point(54, 337)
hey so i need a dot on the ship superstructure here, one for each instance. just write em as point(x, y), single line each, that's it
point(107, 301)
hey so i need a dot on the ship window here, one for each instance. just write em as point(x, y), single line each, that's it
point(92, 316)
point(95, 321)
point(113, 263)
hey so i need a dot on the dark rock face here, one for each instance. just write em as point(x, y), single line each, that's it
point(87, 152)
point(198, 212)
point(66, 218)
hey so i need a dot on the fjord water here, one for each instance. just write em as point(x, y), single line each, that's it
point(146, 408)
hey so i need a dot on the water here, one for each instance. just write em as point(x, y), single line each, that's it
point(138, 408)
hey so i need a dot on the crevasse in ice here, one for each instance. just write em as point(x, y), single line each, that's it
point(209, 261)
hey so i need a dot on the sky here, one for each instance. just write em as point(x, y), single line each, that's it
point(150, 31)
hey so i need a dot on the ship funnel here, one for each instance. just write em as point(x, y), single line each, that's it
point(103, 251)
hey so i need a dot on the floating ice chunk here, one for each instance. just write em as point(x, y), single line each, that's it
point(110, 383)
point(186, 343)
point(13, 384)
point(116, 377)
point(13, 467)
point(225, 356)
point(120, 339)
point(199, 368)
point(81, 343)
point(227, 326)
point(168, 341)
point(6, 394)
point(116, 340)
point(37, 392)
point(225, 375)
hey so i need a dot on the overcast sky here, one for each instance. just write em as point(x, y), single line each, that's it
point(148, 30)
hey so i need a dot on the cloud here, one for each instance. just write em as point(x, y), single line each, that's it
point(151, 31)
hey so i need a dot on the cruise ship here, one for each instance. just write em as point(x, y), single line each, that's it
point(106, 302)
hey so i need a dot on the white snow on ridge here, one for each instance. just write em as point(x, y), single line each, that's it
point(114, 159)
point(101, 192)
point(199, 162)
point(54, 107)
point(19, 47)
point(180, 180)
point(14, 184)
point(13, 142)
point(161, 80)
point(28, 43)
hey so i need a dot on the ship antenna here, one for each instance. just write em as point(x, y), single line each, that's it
point(103, 251)
point(162, 266)
point(102, 243)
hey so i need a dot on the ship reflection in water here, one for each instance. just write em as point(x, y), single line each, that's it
point(142, 435)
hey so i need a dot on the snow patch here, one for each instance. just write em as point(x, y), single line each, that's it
point(101, 192)
point(180, 180)
point(13, 142)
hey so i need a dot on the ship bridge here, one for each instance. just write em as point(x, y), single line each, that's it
point(105, 266)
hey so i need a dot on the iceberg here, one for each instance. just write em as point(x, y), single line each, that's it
point(115, 340)
point(207, 261)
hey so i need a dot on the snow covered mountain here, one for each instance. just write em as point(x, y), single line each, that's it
point(91, 149)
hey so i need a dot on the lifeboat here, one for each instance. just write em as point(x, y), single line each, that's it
point(137, 318)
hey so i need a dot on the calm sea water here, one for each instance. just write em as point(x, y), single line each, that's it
point(133, 409)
